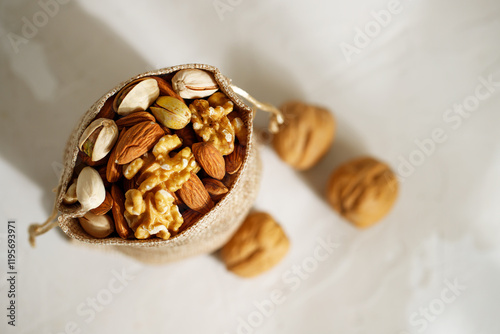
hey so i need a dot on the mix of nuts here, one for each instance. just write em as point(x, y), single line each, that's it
point(157, 157)
point(165, 149)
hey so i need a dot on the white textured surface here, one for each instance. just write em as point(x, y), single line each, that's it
point(445, 226)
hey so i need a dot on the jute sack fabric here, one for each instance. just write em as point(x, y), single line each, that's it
point(210, 233)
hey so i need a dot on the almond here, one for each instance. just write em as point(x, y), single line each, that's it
point(177, 200)
point(102, 173)
point(165, 129)
point(105, 206)
point(134, 118)
point(88, 161)
point(229, 179)
point(129, 184)
point(215, 188)
point(235, 159)
point(195, 196)
point(190, 217)
point(187, 135)
point(210, 159)
point(118, 210)
point(136, 141)
point(113, 171)
point(107, 110)
point(166, 88)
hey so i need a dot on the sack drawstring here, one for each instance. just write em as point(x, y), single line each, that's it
point(37, 229)
point(277, 116)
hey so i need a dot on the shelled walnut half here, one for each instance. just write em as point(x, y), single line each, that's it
point(150, 209)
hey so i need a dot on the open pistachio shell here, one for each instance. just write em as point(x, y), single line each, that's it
point(137, 96)
point(171, 112)
point(90, 190)
point(97, 226)
point(99, 138)
point(194, 84)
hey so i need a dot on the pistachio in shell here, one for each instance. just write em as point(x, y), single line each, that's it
point(136, 96)
point(98, 226)
point(90, 190)
point(99, 138)
point(171, 112)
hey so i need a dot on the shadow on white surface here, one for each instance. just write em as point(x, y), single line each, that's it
point(262, 78)
point(271, 82)
point(347, 145)
point(52, 80)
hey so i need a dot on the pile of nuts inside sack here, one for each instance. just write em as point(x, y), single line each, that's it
point(157, 157)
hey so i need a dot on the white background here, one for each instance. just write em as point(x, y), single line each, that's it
point(394, 91)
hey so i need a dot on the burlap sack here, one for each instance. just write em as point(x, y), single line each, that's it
point(208, 234)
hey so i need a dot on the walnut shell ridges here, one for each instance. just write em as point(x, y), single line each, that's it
point(258, 245)
point(362, 190)
point(305, 136)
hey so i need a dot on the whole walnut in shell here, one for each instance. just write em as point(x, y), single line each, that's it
point(258, 245)
point(305, 136)
point(362, 190)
